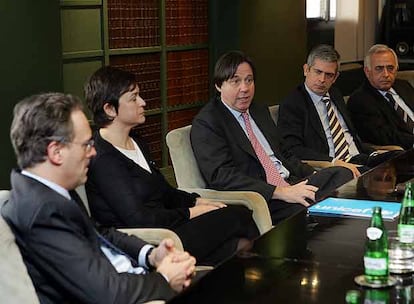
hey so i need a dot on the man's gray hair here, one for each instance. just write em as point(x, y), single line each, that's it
point(376, 49)
point(324, 52)
point(38, 120)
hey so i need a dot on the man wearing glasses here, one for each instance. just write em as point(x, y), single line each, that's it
point(382, 108)
point(314, 122)
point(68, 258)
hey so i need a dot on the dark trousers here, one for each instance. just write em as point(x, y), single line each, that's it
point(213, 236)
point(326, 180)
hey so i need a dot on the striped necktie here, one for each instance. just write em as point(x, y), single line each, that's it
point(401, 113)
point(340, 144)
point(273, 176)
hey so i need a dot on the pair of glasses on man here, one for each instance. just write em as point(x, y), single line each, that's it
point(86, 145)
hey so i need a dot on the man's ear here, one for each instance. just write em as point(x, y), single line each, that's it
point(305, 69)
point(366, 71)
point(109, 110)
point(336, 77)
point(218, 88)
point(54, 153)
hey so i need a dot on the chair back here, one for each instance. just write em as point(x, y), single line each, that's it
point(186, 170)
point(274, 112)
point(15, 283)
point(82, 194)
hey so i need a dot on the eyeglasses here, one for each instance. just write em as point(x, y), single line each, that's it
point(237, 81)
point(380, 68)
point(87, 145)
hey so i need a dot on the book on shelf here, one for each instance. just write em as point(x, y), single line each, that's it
point(354, 208)
point(133, 23)
point(181, 118)
point(187, 76)
point(146, 68)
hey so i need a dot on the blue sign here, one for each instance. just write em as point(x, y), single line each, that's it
point(353, 207)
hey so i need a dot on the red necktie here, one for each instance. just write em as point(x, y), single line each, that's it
point(273, 176)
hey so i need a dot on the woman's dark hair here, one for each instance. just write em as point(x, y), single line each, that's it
point(107, 85)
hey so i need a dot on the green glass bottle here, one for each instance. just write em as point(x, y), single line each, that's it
point(376, 250)
point(353, 297)
point(377, 296)
point(406, 222)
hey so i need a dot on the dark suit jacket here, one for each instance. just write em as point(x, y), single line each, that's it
point(301, 129)
point(375, 119)
point(122, 194)
point(225, 156)
point(60, 248)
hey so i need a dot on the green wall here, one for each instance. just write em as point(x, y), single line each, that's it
point(31, 62)
point(272, 32)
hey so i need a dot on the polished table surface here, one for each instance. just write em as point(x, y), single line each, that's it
point(308, 259)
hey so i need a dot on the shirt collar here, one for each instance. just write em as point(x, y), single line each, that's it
point(391, 90)
point(315, 97)
point(235, 113)
point(59, 189)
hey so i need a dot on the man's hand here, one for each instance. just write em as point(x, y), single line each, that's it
point(178, 271)
point(165, 247)
point(204, 205)
point(297, 193)
point(352, 167)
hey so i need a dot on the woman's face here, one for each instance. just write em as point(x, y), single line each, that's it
point(131, 108)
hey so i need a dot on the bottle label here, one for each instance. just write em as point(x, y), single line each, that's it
point(375, 266)
point(374, 233)
point(406, 233)
point(408, 202)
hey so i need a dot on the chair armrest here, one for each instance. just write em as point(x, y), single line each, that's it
point(318, 164)
point(252, 200)
point(154, 235)
point(387, 148)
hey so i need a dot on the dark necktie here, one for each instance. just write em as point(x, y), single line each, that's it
point(401, 113)
point(115, 249)
point(273, 176)
point(340, 144)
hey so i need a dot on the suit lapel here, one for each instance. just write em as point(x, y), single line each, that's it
point(313, 116)
point(265, 123)
point(408, 97)
point(232, 125)
point(386, 108)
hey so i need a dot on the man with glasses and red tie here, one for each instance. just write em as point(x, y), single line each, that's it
point(237, 147)
point(313, 120)
point(382, 109)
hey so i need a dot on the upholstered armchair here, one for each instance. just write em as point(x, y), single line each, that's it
point(189, 178)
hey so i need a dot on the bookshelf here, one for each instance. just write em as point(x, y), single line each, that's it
point(163, 42)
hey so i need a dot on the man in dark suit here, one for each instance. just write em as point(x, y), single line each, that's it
point(237, 147)
point(68, 259)
point(382, 109)
point(313, 120)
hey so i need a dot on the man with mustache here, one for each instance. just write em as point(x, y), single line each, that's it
point(382, 109)
point(314, 122)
